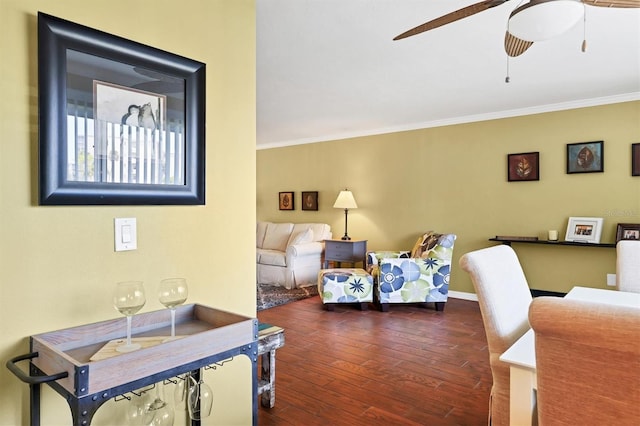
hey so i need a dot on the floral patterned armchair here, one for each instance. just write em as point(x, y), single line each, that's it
point(417, 276)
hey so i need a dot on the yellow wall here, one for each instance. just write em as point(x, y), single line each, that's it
point(453, 179)
point(57, 264)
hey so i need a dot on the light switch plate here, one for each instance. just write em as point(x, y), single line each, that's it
point(611, 280)
point(126, 234)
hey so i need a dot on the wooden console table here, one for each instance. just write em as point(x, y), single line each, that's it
point(61, 359)
point(508, 242)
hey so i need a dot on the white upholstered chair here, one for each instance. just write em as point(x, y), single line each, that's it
point(628, 265)
point(504, 298)
point(587, 362)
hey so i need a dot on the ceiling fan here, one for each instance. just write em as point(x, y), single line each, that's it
point(522, 30)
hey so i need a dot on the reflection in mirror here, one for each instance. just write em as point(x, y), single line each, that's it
point(125, 124)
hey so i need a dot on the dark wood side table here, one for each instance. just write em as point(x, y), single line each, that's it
point(351, 251)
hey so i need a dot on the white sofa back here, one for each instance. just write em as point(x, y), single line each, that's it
point(277, 236)
point(289, 254)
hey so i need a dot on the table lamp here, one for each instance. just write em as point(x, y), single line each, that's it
point(345, 201)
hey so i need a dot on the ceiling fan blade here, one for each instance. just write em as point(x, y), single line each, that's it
point(515, 46)
point(456, 16)
point(613, 3)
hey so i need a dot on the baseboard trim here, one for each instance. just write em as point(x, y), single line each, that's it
point(472, 296)
point(538, 293)
point(463, 295)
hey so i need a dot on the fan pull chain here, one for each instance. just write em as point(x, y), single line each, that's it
point(507, 78)
point(584, 29)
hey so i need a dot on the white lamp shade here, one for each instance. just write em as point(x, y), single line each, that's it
point(345, 200)
point(544, 19)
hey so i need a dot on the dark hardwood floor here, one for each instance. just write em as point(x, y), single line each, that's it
point(409, 366)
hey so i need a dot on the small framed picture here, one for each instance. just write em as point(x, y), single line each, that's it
point(584, 229)
point(635, 159)
point(628, 231)
point(309, 200)
point(522, 167)
point(285, 201)
point(585, 157)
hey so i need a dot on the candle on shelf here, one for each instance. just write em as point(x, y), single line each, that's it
point(553, 235)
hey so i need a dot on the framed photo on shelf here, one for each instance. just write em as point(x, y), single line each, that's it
point(523, 167)
point(584, 230)
point(286, 201)
point(120, 122)
point(635, 159)
point(309, 200)
point(628, 231)
point(585, 157)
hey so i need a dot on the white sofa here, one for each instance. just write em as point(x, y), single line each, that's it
point(288, 254)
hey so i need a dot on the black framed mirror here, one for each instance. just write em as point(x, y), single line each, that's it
point(120, 122)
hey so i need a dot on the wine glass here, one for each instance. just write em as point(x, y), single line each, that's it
point(138, 408)
point(200, 399)
point(173, 292)
point(181, 392)
point(128, 298)
point(159, 413)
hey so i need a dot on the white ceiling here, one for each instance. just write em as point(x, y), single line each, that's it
point(328, 69)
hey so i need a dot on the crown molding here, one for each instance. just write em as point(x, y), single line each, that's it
point(584, 103)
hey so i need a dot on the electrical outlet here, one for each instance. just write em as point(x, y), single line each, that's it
point(611, 280)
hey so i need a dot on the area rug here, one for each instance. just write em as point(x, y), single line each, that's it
point(273, 295)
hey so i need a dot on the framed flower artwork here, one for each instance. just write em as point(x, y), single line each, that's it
point(310, 200)
point(524, 166)
point(286, 201)
point(635, 159)
point(585, 157)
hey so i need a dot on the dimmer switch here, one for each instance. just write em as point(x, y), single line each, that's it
point(125, 234)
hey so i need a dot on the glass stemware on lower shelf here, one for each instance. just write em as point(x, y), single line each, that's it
point(159, 412)
point(181, 392)
point(172, 293)
point(150, 406)
point(137, 409)
point(128, 298)
point(199, 399)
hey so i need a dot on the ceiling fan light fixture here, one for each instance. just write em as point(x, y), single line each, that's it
point(544, 19)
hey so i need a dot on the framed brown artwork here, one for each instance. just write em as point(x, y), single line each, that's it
point(585, 157)
point(628, 231)
point(524, 166)
point(635, 159)
point(309, 200)
point(285, 201)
